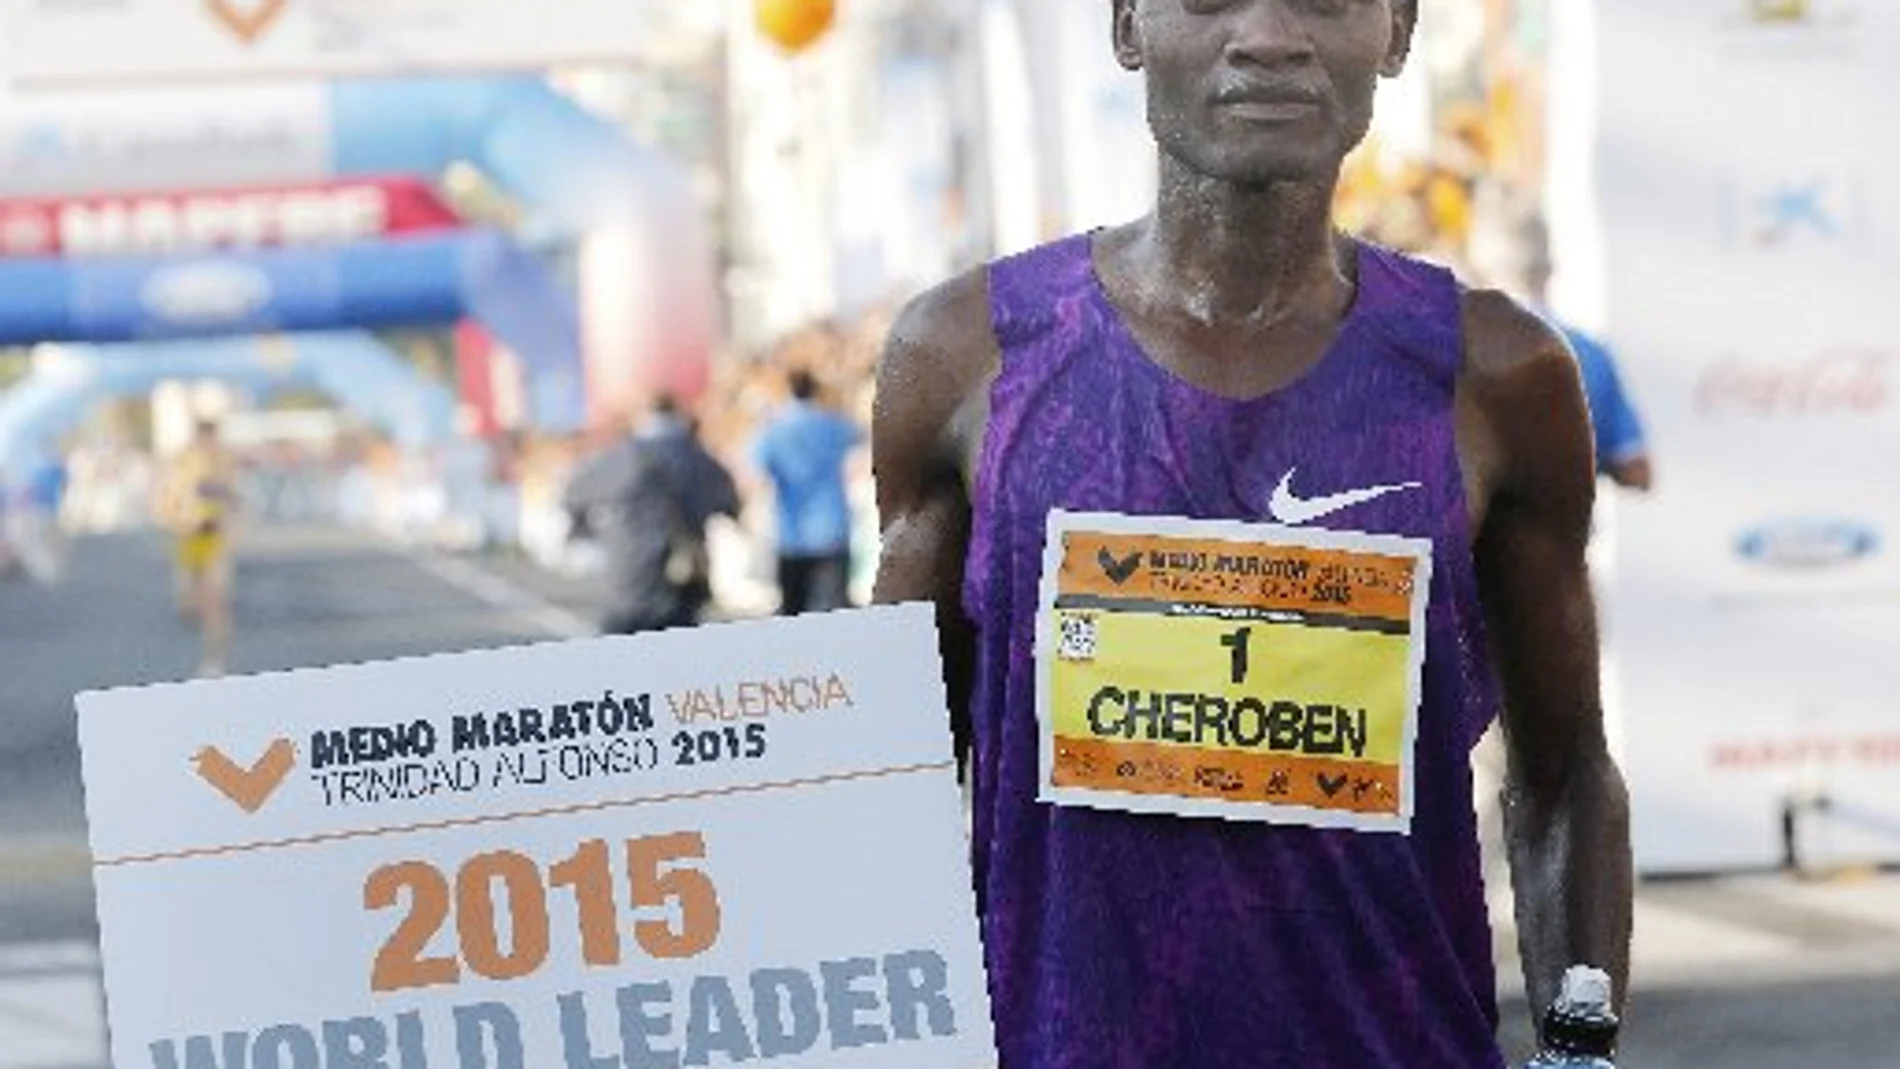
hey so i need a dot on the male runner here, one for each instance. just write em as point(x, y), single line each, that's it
point(199, 496)
point(1232, 356)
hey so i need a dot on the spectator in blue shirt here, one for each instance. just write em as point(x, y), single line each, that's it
point(1622, 450)
point(802, 451)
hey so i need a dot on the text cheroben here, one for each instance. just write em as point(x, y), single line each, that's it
point(566, 741)
point(1195, 719)
point(770, 1013)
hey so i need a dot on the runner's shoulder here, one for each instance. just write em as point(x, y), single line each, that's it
point(945, 331)
point(1505, 340)
point(1527, 392)
point(940, 354)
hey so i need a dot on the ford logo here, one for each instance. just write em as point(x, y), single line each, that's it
point(1808, 545)
point(206, 294)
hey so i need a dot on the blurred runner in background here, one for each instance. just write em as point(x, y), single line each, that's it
point(1512, 250)
point(198, 501)
point(1622, 449)
point(32, 527)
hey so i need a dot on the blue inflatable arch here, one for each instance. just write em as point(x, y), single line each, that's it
point(643, 318)
point(352, 367)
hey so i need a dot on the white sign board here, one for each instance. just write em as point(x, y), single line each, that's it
point(63, 43)
point(737, 844)
point(1751, 247)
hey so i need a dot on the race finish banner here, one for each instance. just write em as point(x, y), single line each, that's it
point(46, 44)
point(1247, 672)
point(737, 844)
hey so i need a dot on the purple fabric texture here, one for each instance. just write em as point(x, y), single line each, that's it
point(1117, 941)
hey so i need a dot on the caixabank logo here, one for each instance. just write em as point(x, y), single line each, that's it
point(1767, 30)
point(1795, 211)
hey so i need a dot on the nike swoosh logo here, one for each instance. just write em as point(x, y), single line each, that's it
point(1293, 510)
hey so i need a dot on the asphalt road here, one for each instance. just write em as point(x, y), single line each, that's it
point(1732, 975)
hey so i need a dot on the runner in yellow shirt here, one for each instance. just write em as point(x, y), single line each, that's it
point(199, 497)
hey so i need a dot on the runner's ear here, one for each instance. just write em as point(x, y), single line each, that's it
point(1404, 23)
point(1127, 34)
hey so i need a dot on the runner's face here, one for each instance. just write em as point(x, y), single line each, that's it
point(1256, 91)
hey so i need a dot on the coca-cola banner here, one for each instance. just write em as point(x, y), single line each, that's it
point(1750, 251)
point(148, 224)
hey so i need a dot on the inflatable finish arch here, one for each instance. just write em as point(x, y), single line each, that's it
point(645, 314)
point(352, 367)
point(647, 279)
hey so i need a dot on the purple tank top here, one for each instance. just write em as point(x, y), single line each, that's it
point(1117, 941)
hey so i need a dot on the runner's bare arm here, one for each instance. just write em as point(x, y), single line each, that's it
point(1566, 809)
point(932, 392)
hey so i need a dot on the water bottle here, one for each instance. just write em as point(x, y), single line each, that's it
point(1580, 1028)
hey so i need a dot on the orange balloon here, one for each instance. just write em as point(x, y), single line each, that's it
point(795, 24)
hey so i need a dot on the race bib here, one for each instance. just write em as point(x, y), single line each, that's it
point(1223, 669)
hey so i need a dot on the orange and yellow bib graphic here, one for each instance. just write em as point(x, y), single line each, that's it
point(1250, 672)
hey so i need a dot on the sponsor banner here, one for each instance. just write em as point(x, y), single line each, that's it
point(159, 223)
point(240, 291)
point(1749, 253)
point(1248, 672)
point(54, 43)
point(81, 143)
point(710, 847)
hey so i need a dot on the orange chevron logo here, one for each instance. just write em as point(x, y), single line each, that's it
point(249, 787)
point(247, 19)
